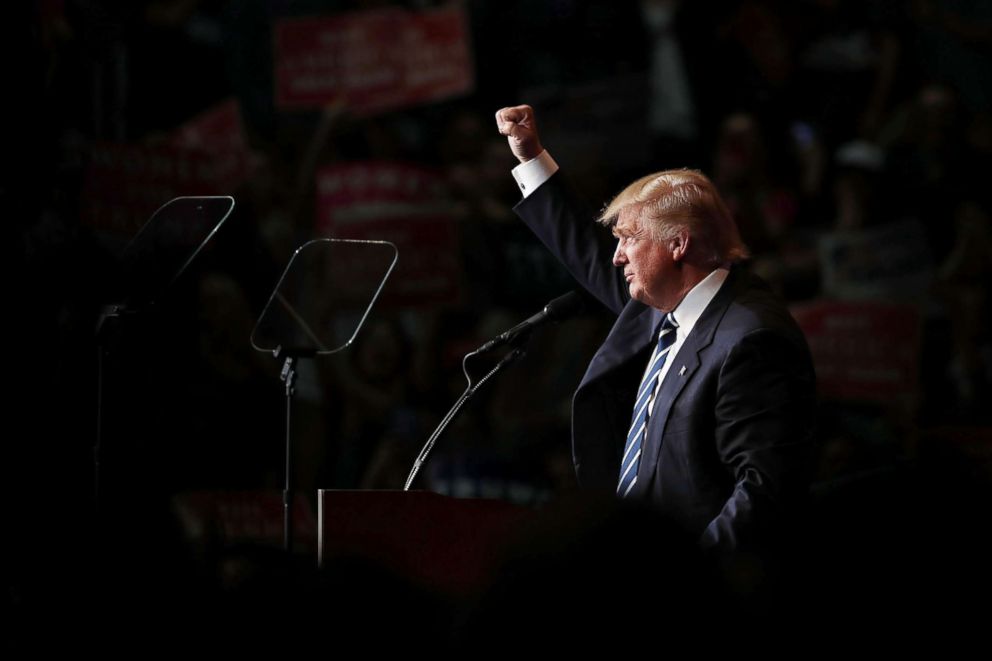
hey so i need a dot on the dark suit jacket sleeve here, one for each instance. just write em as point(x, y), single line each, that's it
point(764, 432)
point(561, 222)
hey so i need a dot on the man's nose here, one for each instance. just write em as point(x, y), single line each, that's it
point(619, 258)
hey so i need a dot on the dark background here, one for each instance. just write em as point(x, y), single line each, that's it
point(829, 126)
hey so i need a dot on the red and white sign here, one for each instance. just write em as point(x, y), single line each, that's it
point(236, 517)
point(402, 204)
point(373, 61)
point(126, 183)
point(217, 129)
point(862, 351)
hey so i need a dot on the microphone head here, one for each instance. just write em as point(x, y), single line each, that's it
point(565, 306)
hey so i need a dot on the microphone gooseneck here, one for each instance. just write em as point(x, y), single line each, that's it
point(560, 308)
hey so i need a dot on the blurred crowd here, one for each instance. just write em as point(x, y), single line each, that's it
point(850, 140)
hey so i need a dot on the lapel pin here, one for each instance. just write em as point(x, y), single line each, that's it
point(682, 371)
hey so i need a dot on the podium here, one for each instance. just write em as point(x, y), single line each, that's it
point(449, 545)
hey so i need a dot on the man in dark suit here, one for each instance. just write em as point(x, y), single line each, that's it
point(701, 399)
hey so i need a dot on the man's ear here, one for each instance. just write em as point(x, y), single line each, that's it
point(679, 245)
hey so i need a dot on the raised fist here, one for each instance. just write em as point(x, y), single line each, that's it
point(518, 125)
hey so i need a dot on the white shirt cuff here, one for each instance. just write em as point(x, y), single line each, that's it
point(534, 172)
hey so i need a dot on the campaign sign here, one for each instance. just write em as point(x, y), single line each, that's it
point(862, 351)
point(126, 182)
point(219, 128)
point(372, 61)
point(890, 262)
point(405, 205)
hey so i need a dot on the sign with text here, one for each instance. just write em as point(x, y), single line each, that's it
point(405, 205)
point(232, 518)
point(882, 262)
point(219, 128)
point(126, 182)
point(862, 351)
point(373, 61)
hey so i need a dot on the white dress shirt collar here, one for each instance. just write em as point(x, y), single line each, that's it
point(687, 312)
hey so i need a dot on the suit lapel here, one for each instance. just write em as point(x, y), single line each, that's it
point(684, 366)
point(631, 335)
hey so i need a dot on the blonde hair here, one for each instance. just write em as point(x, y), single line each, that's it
point(673, 200)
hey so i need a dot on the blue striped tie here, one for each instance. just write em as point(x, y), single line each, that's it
point(639, 423)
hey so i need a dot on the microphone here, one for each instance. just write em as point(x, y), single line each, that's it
point(560, 308)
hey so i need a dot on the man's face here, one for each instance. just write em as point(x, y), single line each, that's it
point(647, 265)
